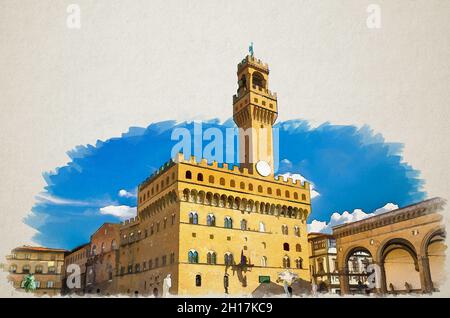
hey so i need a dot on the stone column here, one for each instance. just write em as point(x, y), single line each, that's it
point(343, 281)
point(383, 288)
point(425, 274)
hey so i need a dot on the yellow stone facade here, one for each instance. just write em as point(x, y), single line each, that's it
point(259, 220)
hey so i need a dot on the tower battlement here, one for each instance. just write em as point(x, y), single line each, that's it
point(168, 164)
point(239, 171)
point(266, 91)
point(254, 62)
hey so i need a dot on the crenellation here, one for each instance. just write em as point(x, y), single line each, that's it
point(214, 164)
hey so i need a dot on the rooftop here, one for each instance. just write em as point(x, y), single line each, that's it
point(397, 215)
point(26, 248)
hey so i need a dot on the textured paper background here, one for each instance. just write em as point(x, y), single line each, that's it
point(135, 62)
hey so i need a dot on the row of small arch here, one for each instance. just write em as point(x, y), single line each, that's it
point(242, 186)
point(159, 204)
point(228, 201)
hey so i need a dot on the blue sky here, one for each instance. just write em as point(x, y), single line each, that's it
point(351, 168)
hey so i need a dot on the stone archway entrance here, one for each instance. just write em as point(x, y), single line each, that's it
point(435, 252)
point(400, 266)
point(356, 270)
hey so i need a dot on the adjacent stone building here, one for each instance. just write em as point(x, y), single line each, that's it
point(46, 265)
point(323, 262)
point(405, 248)
point(77, 256)
point(101, 265)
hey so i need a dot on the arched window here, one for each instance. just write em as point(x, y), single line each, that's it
point(188, 175)
point(242, 185)
point(110, 271)
point(260, 189)
point(51, 269)
point(299, 263)
point(269, 190)
point(303, 196)
point(258, 80)
point(193, 218)
point(244, 224)
point(264, 261)
point(286, 246)
point(199, 177)
point(287, 194)
point(193, 257)
point(103, 247)
point(211, 258)
point(38, 269)
point(228, 259)
point(198, 280)
point(296, 231)
point(222, 181)
point(298, 248)
point(262, 227)
point(50, 284)
point(242, 82)
point(114, 245)
point(94, 250)
point(278, 192)
point(250, 187)
point(13, 268)
point(228, 222)
point(211, 179)
point(232, 183)
point(295, 195)
point(286, 262)
point(284, 229)
point(211, 220)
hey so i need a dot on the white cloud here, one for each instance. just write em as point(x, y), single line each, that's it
point(316, 226)
point(346, 217)
point(298, 177)
point(126, 194)
point(123, 212)
point(45, 197)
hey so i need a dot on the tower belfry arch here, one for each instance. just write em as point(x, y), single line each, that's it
point(255, 111)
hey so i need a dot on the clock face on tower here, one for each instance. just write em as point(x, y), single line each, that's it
point(263, 168)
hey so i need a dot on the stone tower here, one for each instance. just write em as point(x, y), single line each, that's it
point(254, 112)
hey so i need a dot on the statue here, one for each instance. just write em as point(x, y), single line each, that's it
point(250, 49)
point(392, 288)
point(407, 287)
point(167, 283)
point(314, 288)
point(29, 283)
